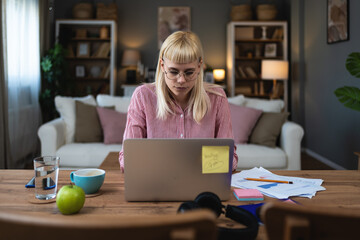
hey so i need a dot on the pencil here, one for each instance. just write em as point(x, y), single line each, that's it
point(268, 180)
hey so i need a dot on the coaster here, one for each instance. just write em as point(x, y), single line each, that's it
point(98, 193)
point(32, 199)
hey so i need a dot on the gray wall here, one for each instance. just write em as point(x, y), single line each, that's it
point(137, 25)
point(332, 132)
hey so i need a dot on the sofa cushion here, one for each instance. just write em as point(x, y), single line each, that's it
point(85, 155)
point(243, 121)
point(273, 105)
point(66, 108)
point(252, 155)
point(113, 124)
point(267, 129)
point(121, 103)
point(87, 123)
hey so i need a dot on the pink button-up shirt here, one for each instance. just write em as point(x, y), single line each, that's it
point(143, 123)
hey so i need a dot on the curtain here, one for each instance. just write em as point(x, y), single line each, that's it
point(22, 70)
point(4, 130)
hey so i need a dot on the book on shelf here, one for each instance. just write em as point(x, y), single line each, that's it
point(244, 33)
point(241, 72)
point(70, 51)
point(105, 72)
point(250, 72)
point(103, 50)
point(278, 33)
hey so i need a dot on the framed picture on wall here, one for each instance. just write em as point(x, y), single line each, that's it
point(337, 21)
point(270, 50)
point(83, 49)
point(80, 71)
point(172, 19)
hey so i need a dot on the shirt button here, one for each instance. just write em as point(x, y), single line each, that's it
point(181, 115)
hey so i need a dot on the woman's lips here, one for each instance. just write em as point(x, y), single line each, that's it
point(181, 88)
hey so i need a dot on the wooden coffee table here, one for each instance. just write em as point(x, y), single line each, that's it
point(111, 162)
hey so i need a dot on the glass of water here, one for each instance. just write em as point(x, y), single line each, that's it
point(46, 177)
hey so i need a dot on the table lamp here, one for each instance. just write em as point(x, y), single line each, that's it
point(276, 70)
point(219, 75)
point(130, 59)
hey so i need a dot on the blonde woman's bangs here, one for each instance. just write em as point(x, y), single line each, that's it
point(182, 47)
point(181, 54)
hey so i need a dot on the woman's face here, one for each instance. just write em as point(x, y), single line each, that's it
point(180, 77)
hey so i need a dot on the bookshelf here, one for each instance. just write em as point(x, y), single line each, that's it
point(91, 46)
point(248, 43)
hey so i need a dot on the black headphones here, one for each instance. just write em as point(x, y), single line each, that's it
point(212, 201)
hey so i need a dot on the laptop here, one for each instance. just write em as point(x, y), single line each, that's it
point(172, 169)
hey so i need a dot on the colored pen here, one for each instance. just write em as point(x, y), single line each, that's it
point(268, 180)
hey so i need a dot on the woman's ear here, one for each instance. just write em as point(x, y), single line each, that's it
point(200, 62)
point(161, 62)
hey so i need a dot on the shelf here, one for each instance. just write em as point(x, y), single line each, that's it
point(258, 40)
point(247, 47)
point(91, 39)
point(248, 79)
point(256, 58)
point(89, 55)
point(88, 58)
point(91, 79)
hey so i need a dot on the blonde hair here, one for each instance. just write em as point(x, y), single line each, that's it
point(183, 47)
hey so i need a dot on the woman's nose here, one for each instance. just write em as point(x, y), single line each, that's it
point(181, 78)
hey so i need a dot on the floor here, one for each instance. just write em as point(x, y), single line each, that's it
point(310, 163)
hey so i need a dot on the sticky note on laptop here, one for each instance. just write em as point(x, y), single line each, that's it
point(215, 159)
point(248, 195)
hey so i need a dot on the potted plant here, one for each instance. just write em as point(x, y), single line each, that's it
point(347, 95)
point(55, 80)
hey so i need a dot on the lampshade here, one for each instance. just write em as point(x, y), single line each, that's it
point(130, 57)
point(219, 74)
point(274, 69)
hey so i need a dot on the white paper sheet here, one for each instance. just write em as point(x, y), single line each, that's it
point(302, 187)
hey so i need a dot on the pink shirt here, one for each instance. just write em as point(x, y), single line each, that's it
point(143, 123)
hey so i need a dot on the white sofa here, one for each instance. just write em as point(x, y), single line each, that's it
point(55, 141)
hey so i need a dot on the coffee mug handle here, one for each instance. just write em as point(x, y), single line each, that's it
point(72, 176)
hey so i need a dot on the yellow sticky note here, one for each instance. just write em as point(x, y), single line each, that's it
point(215, 159)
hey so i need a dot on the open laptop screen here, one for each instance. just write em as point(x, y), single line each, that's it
point(177, 169)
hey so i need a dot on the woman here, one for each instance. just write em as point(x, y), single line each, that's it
point(179, 104)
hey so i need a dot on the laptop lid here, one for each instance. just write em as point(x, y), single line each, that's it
point(177, 169)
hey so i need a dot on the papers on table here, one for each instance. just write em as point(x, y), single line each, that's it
point(302, 187)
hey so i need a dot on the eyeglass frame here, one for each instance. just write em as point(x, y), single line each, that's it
point(181, 73)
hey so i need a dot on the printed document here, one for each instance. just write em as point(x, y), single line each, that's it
point(302, 187)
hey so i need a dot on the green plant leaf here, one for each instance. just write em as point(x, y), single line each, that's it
point(349, 96)
point(353, 64)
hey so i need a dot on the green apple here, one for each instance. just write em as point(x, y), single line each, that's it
point(70, 199)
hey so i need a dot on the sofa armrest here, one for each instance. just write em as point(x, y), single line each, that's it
point(290, 141)
point(52, 136)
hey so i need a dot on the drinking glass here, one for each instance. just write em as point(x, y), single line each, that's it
point(46, 177)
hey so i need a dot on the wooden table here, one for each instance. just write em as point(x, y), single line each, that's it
point(342, 191)
point(111, 162)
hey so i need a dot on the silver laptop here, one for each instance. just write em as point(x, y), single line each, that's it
point(171, 169)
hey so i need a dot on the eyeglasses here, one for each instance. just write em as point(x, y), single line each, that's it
point(173, 74)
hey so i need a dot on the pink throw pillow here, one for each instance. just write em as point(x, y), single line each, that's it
point(113, 124)
point(243, 121)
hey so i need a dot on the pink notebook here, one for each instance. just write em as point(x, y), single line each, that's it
point(248, 195)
